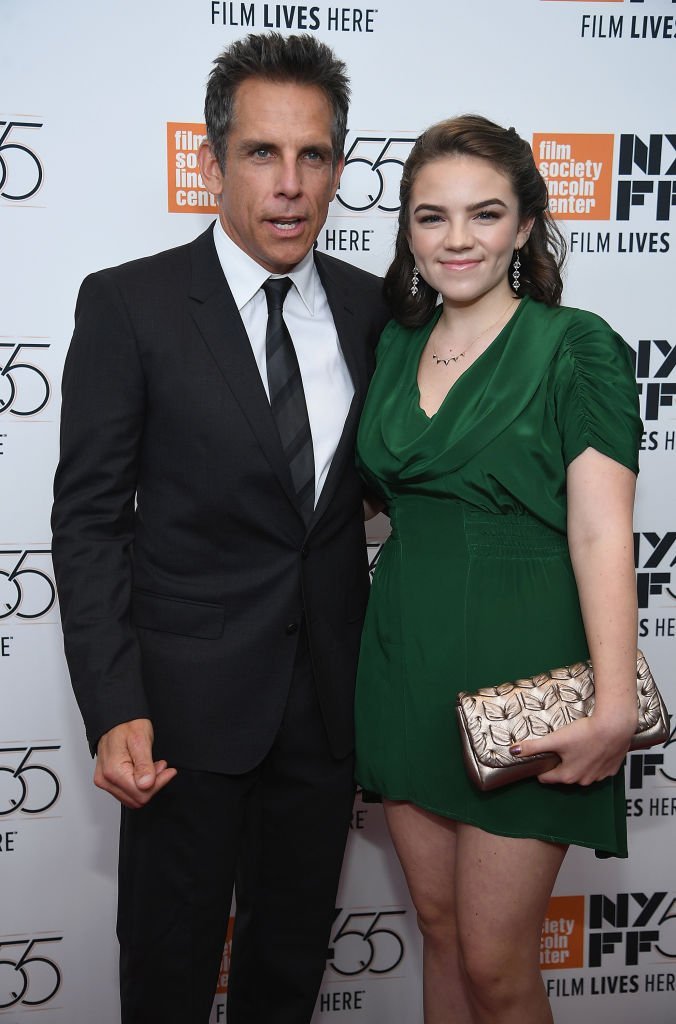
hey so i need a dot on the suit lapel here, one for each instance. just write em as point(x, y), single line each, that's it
point(344, 317)
point(218, 321)
point(220, 325)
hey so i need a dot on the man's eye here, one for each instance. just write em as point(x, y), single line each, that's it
point(261, 152)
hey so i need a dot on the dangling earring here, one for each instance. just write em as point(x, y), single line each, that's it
point(414, 280)
point(516, 267)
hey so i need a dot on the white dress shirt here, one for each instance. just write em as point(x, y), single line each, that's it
point(327, 383)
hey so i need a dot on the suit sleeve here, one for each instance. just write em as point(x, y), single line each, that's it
point(103, 403)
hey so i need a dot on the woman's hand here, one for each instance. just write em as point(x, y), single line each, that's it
point(590, 749)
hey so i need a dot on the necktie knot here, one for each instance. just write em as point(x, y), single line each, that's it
point(276, 290)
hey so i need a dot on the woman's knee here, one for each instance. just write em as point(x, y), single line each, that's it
point(437, 921)
point(498, 973)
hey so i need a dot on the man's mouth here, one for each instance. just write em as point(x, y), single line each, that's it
point(286, 225)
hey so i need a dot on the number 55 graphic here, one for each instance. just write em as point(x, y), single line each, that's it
point(366, 944)
point(29, 976)
point(24, 389)
point(20, 167)
point(34, 593)
point(31, 788)
point(372, 171)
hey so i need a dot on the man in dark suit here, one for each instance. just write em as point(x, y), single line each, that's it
point(210, 557)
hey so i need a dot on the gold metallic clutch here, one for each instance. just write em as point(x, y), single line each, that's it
point(492, 719)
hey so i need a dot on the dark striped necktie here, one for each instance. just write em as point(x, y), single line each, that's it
point(287, 398)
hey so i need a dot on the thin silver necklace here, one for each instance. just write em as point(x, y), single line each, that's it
point(454, 359)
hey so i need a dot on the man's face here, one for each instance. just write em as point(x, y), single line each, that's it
point(279, 176)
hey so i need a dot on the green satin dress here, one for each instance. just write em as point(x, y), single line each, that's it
point(475, 585)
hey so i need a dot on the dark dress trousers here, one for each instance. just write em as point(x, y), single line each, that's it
point(193, 593)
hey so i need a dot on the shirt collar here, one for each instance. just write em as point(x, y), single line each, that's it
point(245, 276)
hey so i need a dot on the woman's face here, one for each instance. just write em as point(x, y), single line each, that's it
point(463, 228)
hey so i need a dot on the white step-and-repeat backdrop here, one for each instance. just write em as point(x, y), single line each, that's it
point(100, 119)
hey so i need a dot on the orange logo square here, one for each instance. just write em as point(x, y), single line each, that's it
point(222, 986)
point(578, 170)
point(186, 191)
point(562, 940)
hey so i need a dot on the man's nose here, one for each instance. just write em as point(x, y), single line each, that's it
point(289, 180)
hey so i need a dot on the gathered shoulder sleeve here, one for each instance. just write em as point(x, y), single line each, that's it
point(595, 393)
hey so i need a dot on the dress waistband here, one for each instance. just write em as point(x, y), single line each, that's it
point(506, 535)
point(512, 534)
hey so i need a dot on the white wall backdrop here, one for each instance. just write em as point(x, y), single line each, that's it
point(96, 105)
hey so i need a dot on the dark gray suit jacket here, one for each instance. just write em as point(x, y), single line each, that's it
point(184, 567)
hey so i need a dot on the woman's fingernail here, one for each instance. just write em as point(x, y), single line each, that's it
point(515, 750)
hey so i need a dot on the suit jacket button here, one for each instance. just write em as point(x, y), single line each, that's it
point(304, 551)
point(292, 628)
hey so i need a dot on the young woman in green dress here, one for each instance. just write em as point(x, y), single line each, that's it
point(501, 432)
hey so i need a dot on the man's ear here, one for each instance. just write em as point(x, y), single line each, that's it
point(212, 176)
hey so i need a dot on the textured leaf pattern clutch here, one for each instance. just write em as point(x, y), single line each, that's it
point(492, 719)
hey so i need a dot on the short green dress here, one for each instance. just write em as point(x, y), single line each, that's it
point(475, 585)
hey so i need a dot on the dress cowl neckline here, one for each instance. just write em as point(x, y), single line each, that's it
point(486, 398)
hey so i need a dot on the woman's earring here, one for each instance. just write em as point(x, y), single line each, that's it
point(414, 280)
point(516, 267)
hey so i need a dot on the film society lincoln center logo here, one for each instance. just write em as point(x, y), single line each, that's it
point(562, 939)
point(578, 169)
point(185, 189)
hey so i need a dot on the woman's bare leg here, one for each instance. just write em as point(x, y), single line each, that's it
point(503, 887)
point(481, 900)
point(426, 846)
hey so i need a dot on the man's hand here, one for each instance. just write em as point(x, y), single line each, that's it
point(125, 766)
